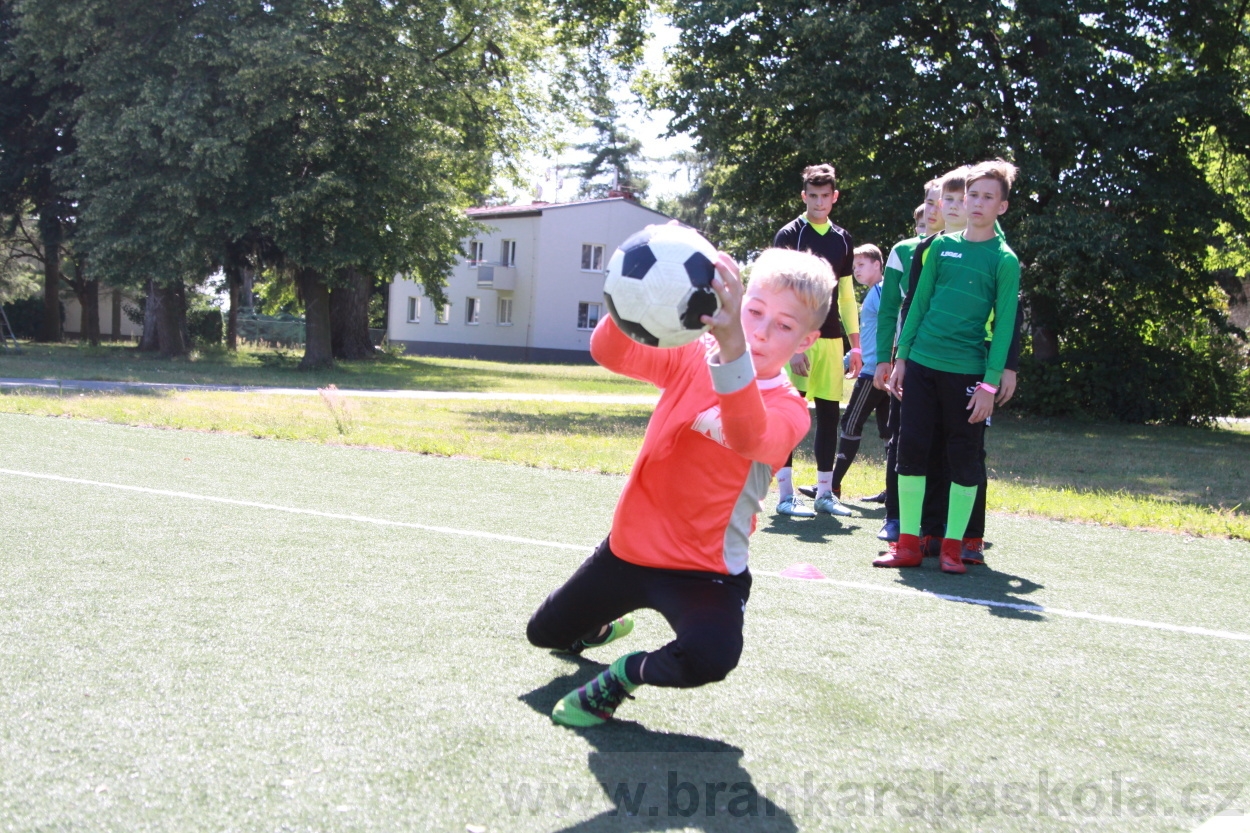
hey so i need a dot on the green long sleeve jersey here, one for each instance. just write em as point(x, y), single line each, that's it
point(893, 288)
point(961, 285)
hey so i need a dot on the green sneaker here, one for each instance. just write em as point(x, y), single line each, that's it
point(616, 629)
point(595, 702)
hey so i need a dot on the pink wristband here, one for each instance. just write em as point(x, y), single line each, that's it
point(986, 386)
point(856, 350)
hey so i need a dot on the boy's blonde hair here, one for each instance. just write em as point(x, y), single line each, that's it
point(956, 180)
point(809, 277)
point(869, 251)
point(999, 170)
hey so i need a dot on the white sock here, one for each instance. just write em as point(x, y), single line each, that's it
point(785, 481)
point(824, 482)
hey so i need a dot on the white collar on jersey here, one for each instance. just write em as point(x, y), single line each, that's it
point(777, 381)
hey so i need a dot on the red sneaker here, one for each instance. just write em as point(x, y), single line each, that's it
point(930, 546)
point(949, 560)
point(974, 551)
point(906, 553)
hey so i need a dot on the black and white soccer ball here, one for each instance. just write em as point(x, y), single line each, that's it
point(659, 283)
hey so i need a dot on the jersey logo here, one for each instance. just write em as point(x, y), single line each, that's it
point(952, 254)
point(708, 424)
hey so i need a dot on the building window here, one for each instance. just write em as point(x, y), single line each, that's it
point(443, 315)
point(505, 312)
point(472, 310)
point(592, 257)
point(414, 310)
point(588, 315)
point(507, 256)
point(477, 252)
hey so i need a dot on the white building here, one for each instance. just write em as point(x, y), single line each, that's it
point(531, 288)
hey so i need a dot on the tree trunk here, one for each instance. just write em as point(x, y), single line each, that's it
point(349, 317)
point(51, 329)
point(88, 293)
point(316, 297)
point(233, 281)
point(171, 328)
point(116, 317)
point(148, 342)
point(1045, 344)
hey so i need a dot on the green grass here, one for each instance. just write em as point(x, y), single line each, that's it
point(1182, 480)
point(275, 368)
point(172, 664)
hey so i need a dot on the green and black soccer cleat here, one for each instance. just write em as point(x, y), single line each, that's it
point(596, 702)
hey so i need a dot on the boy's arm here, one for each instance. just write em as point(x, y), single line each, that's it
point(848, 311)
point(619, 353)
point(920, 296)
point(751, 428)
point(1007, 282)
point(891, 297)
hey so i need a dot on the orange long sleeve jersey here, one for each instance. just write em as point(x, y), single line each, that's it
point(714, 442)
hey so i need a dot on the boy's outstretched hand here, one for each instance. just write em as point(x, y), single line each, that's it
point(726, 324)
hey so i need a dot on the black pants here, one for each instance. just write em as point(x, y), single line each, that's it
point(937, 498)
point(825, 444)
point(704, 609)
point(865, 399)
point(935, 405)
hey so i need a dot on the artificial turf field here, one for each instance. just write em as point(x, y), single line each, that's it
point(194, 655)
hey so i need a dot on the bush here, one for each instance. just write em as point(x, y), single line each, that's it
point(205, 326)
point(1187, 383)
point(26, 316)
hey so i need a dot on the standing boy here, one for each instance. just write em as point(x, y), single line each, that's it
point(865, 397)
point(726, 419)
point(951, 379)
point(819, 372)
point(895, 287)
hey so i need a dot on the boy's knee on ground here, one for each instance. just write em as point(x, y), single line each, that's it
point(541, 634)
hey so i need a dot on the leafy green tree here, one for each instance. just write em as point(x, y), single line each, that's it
point(36, 133)
point(1102, 105)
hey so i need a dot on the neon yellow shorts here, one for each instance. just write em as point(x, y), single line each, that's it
point(825, 379)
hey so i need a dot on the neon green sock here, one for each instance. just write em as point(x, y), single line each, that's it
point(911, 503)
point(958, 511)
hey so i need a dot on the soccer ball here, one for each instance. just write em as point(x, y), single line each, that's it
point(659, 283)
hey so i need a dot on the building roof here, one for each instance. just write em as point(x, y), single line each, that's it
point(536, 209)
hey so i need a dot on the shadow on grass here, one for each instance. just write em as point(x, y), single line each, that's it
point(623, 420)
point(823, 528)
point(662, 781)
point(1004, 592)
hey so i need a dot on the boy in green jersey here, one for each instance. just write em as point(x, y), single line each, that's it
point(941, 207)
point(967, 278)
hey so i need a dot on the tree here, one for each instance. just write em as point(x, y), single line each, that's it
point(614, 151)
point(36, 134)
point(1103, 106)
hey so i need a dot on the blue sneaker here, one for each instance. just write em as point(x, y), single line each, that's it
point(889, 530)
point(830, 505)
point(596, 702)
point(793, 506)
point(616, 629)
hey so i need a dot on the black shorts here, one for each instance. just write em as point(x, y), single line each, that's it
point(705, 610)
point(935, 404)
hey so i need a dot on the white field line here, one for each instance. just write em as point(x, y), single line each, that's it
point(586, 548)
point(467, 533)
point(1050, 611)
